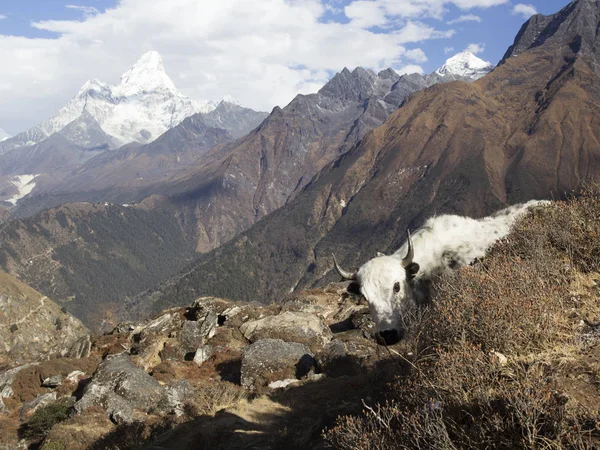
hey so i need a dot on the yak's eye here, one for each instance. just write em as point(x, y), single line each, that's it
point(396, 287)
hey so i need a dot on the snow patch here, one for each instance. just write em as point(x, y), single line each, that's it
point(465, 64)
point(24, 185)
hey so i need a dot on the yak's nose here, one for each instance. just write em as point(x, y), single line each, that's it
point(388, 337)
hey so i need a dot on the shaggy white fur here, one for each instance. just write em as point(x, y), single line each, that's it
point(444, 242)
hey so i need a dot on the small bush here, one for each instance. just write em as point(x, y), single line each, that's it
point(53, 446)
point(214, 397)
point(45, 418)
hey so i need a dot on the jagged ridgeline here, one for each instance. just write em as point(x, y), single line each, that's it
point(528, 130)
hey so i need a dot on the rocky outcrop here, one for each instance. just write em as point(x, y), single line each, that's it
point(289, 326)
point(33, 327)
point(123, 390)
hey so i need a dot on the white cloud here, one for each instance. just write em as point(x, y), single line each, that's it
point(524, 10)
point(88, 10)
point(365, 14)
point(411, 68)
point(448, 50)
point(475, 48)
point(465, 18)
point(2, 16)
point(417, 55)
point(263, 53)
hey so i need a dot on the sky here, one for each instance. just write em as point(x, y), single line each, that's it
point(263, 52)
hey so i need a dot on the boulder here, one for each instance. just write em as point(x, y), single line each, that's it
point(52, 382)
point(348, 354)
point(120, 387)
point(153, 337)
point(270, 360)
point(177, 395)
point(202, 354)
point(195, 333)
point(290, 326)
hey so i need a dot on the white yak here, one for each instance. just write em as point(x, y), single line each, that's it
point(395, 284)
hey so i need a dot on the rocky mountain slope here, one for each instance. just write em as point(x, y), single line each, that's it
point(86, 257)
point(528, 130)
point(34, 328)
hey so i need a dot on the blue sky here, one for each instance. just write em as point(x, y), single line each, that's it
point(263, 52)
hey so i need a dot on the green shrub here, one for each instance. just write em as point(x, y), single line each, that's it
point(45, 418)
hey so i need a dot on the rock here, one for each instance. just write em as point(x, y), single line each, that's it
point(269, 360)
point(290, 326)
point(120, 387)
point(75, 376)
point(32, 406)
point(202, 354)
point(81, 348)
point(195, 333)
point(123, 327)
point(334, 303)
point(3, 408)
point(152, 338)
point(362, 320)
point(177, 395)
point(502, 360)
point(283, 383)
point(52, 382)
point(341, 358)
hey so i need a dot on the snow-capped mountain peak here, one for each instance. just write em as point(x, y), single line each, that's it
point(147, 74)
point(140, 108)
point(465, 64)
point(231, 99)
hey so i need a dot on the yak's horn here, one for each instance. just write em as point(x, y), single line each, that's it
point(410, 253)
point(343, 273)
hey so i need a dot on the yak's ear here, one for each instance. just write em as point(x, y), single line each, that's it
point(411, 270)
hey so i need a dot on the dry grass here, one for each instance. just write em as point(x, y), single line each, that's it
point(213, 397)
point(534, 300)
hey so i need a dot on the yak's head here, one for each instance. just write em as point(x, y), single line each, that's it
point(385, 281)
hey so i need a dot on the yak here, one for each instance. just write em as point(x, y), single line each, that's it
point(394, 285)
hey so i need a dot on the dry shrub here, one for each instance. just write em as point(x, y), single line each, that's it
point(517, 301)
point(213, 397)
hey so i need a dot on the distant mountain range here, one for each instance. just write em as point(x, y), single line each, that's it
point(143, 106)
point(528, 130)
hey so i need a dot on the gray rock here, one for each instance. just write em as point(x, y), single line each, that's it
point(203, 354)
point(270, 360)
point(177, 395)
point(195, 333)
point(52, 382)
point(120, 387)
point(290, 326)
